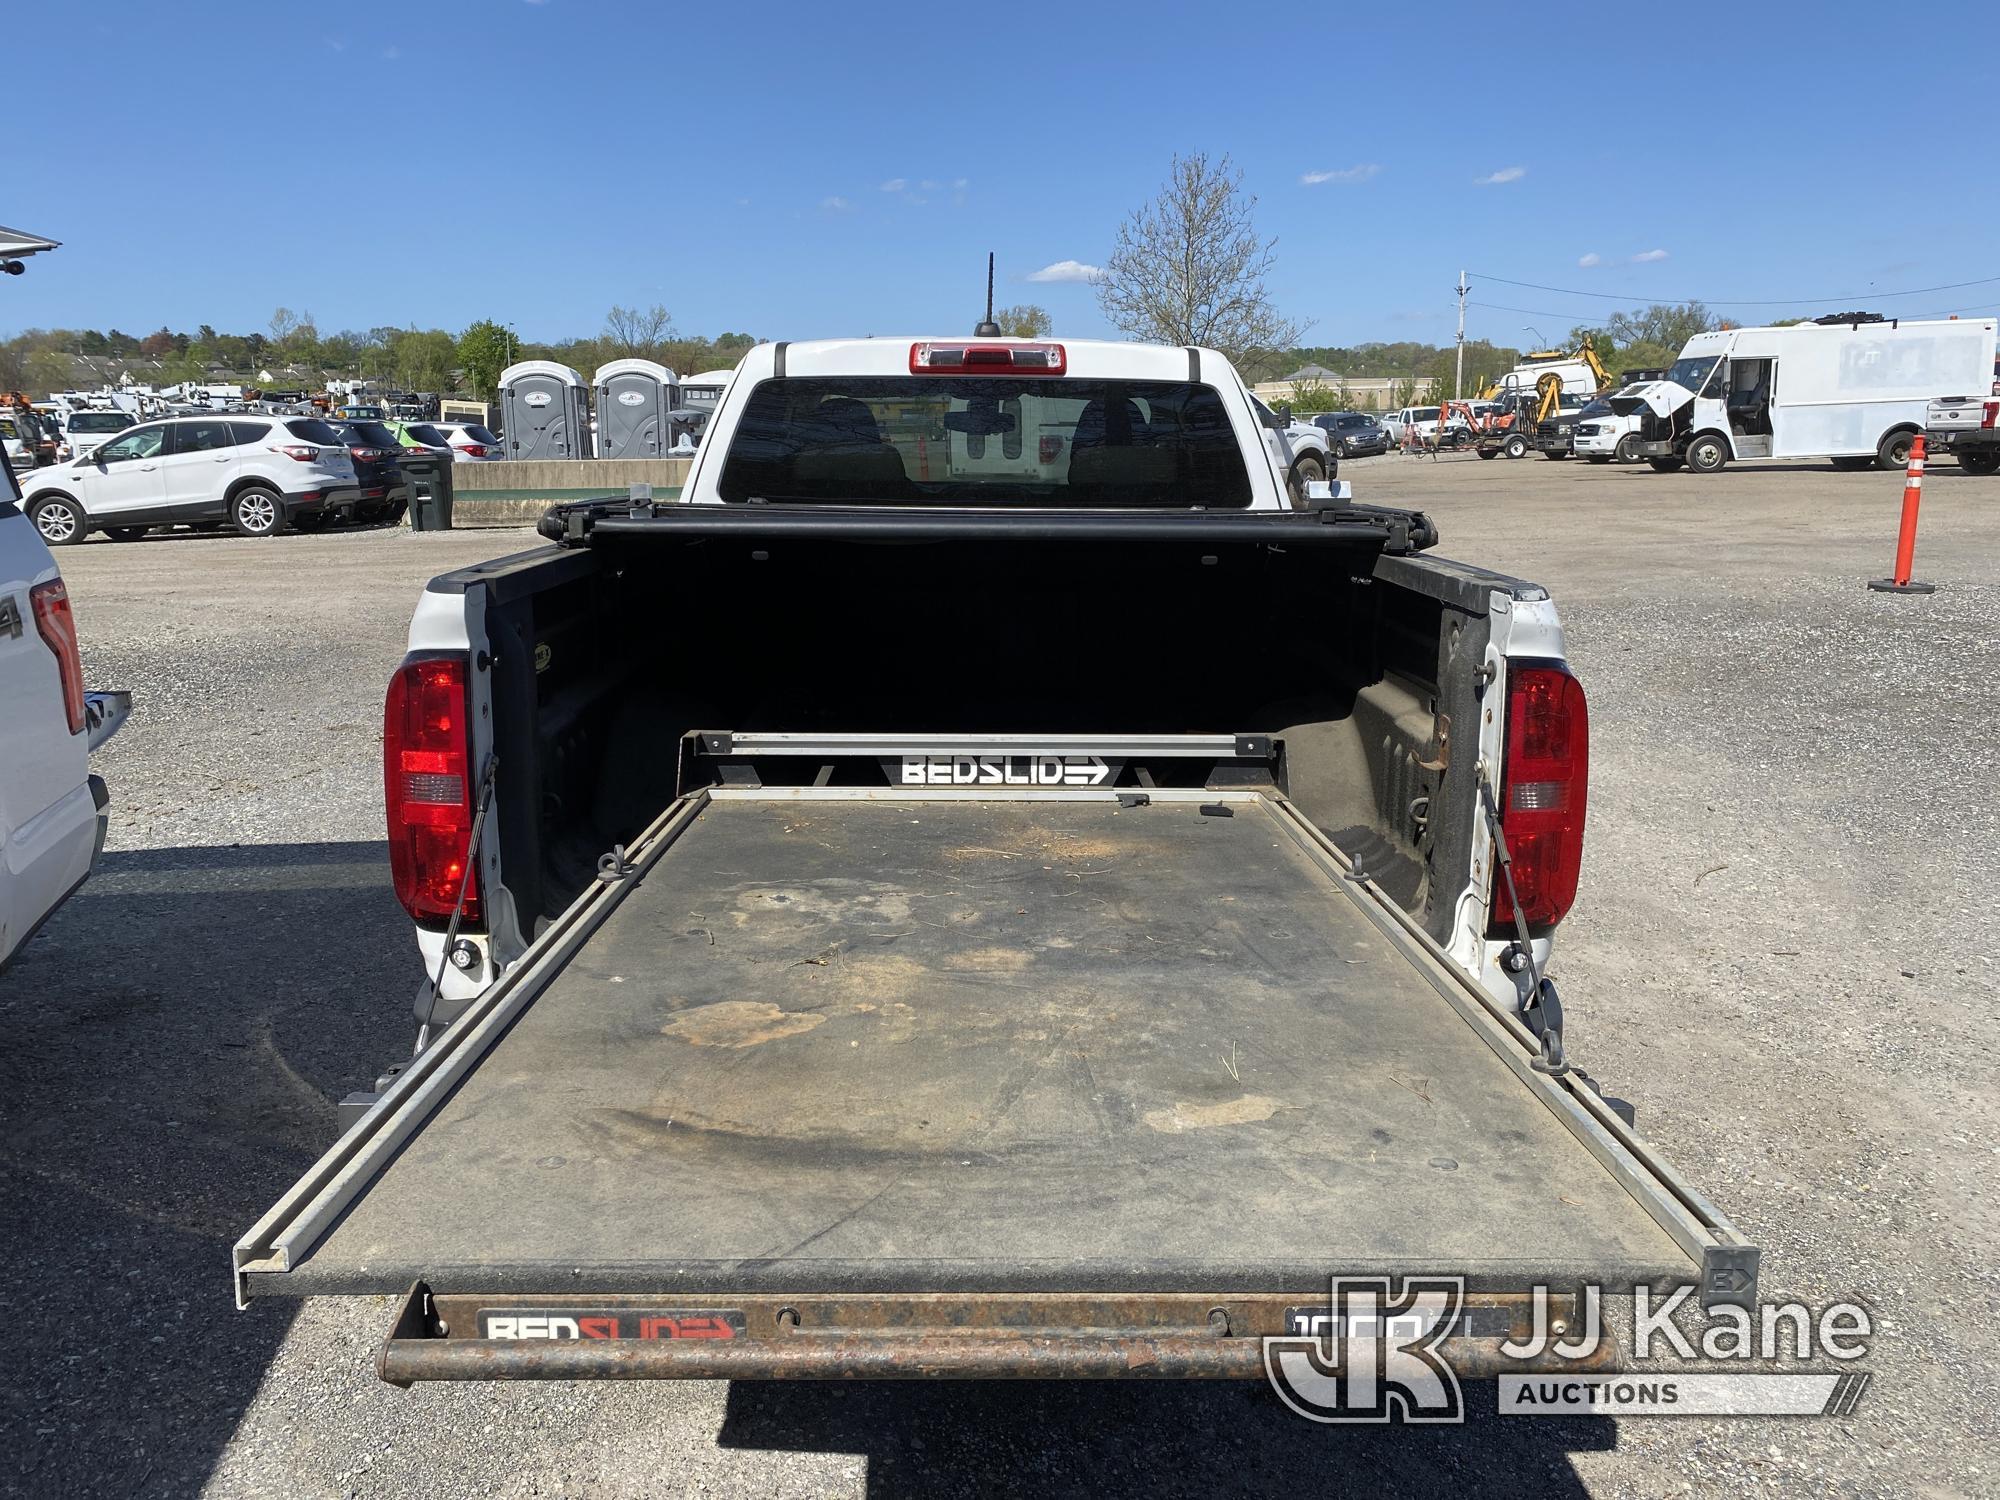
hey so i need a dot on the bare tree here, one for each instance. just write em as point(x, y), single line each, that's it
point(1188, 268)
point(633, 332)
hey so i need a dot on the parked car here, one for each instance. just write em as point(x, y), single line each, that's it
point(385, 491)
point(421, 435)
point(53, 811)
point(1555, 436)
point(471, 442)
point(260, 475)
point(1352, 434)
point(81, 430)
point(1418, 421)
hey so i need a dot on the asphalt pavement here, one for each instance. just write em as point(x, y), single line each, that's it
point(1784, 955)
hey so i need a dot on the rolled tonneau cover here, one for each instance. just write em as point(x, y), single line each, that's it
point(1335, 523)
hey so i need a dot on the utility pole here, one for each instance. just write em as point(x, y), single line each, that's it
point(1458, 371)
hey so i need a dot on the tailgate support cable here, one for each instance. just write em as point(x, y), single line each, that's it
point(1542, 1009)
point(435, 987)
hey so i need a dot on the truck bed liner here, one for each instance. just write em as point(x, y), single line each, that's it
point(1042, 1045)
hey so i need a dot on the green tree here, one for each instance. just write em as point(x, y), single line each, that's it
point(1024, 320)
point(1437, 391)
point(1313, 395)
point(424, 360)
point(484, 350)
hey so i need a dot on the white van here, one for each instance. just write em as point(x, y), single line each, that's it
point(1854, 391)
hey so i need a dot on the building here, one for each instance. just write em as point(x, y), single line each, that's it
point(1364, 392)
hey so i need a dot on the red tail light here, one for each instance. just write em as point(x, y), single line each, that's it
point(1990, 416)
point(427, 785)
point(1051, 448)
point(299, 451)
point(365, 455)
point(1545, 781)
point(988, 359)
point(50, 602)
point(473, 450)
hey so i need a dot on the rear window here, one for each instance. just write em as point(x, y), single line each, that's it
point(430, 437)
point(374, 433)
point(99, 421)
point(1036, 442)
point(313, 430)
point(478, 434)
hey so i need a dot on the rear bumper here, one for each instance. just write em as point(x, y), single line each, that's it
point(1024, 1336)
point(316, 502)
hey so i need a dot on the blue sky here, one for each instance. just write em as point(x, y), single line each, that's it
point(801, 170)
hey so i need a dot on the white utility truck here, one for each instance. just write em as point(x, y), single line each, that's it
point(53, 810)
point(888, 921)
point(1854, 388)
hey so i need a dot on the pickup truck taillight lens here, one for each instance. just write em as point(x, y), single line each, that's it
point(50, 602)
point(1545, 781)
point(1991, 416)
point(427, 787)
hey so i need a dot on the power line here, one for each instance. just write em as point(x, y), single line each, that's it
point(1535, 286)
point(1543, 312)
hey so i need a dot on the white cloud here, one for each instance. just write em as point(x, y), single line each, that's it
point(1345, 174)
point(835, 204)
point(930, 184)
point(1592, 259)
point(1645, 256)
point(895, 184)
point(961, 183)
point(1067, 270)
point(1505, 174)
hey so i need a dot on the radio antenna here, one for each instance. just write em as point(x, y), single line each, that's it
point(988, 329)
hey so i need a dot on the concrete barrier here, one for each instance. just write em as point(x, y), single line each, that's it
point(517, 492)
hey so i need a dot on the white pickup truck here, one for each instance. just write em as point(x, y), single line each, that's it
point(1967, 428)
point(886, 918)
point(53, 810)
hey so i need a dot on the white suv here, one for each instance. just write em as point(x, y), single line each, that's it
point(470, 442)
point(258, 474)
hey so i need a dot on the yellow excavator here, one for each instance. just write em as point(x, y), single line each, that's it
point(1584, 354)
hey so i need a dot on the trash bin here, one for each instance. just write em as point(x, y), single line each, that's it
point(430, 490)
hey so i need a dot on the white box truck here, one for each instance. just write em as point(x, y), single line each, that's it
point(1853, 389)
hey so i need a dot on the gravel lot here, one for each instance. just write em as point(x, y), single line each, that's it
point(1784, 954)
